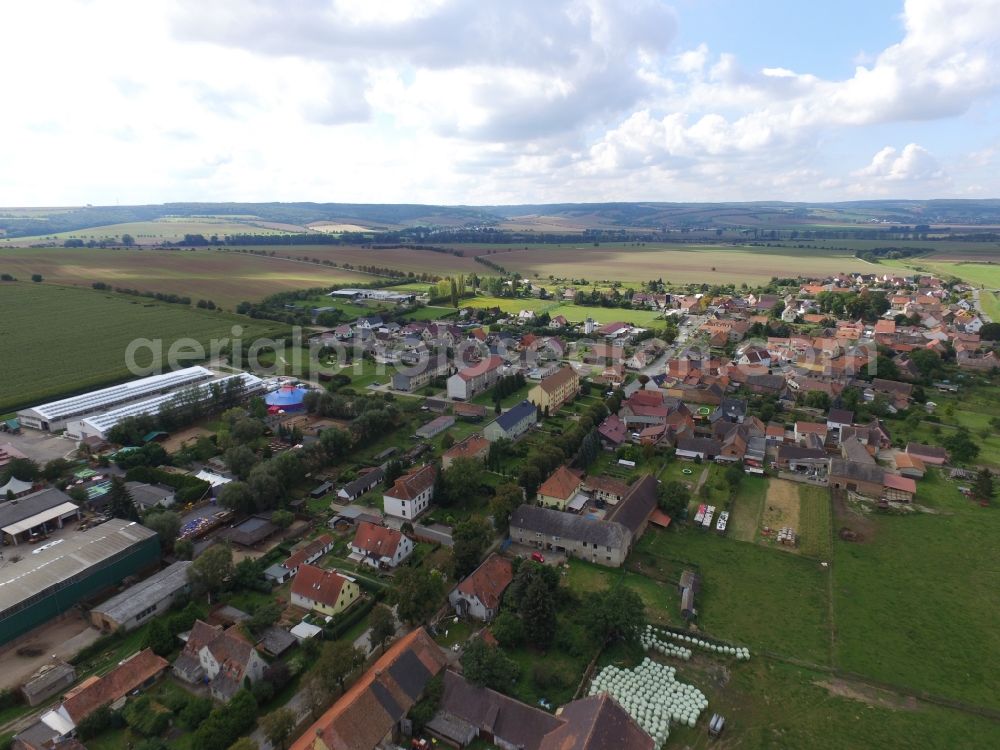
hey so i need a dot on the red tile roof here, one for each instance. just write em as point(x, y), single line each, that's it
point(120, 681)
point(373, 705)
point(562, 483)
point(488, 582)
point(297, 558)
point(377, 541)
point(318, 584)
point(472, 447)
point(412, 484)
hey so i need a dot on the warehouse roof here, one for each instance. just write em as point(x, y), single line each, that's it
point(31, 505)
point(56, 562)
point(105, 398)
point(108, 419)
point(145, 594)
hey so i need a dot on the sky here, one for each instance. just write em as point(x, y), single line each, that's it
point(497, 101)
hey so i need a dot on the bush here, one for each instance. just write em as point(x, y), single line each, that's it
point(262, 691)
point(194, 712)
point(140, 715)
point(546, 677)
point(95, 723)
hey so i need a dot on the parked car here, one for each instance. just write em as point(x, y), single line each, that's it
point(538, 557)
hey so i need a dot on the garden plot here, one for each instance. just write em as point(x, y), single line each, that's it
point(781, 507)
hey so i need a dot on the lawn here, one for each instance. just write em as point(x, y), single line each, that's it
point(44, 323)
point(226, 277)
point(760, 597)
point(916, 603)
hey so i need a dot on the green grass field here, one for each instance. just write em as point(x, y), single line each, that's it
point(916, 602)
point(63, 340)
point(745, 515)
point(764, 598)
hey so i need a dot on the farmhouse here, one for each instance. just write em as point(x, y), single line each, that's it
point(379, 547)
point(410, 495)
point(512, 423)
point(475, 379)
point(54, 578)
point(479, 593)
point(328, 592)
point(636, 506)
point(555, 390)
point(369, 714)
point(698, 447)
point(602, 542)
point(136, 604)
point(865, 479)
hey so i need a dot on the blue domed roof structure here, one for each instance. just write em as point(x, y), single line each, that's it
point(287, 397)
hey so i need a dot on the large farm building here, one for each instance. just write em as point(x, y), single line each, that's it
point(54, 578)
point(94, 414)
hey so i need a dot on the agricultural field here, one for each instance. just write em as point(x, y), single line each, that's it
point(151, 232)
point(77, 338)
point(226, 278)
point(915, 600)
point(747, 508)
point(674, 263)
point(400, 259)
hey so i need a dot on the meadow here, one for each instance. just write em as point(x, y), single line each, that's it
point(916, 602)
point(226, 278)
point(61, 340)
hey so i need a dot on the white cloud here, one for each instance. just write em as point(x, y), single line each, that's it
point(461, 101)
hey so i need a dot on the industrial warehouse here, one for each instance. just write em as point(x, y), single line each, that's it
point(53, 578)
point(94, 414)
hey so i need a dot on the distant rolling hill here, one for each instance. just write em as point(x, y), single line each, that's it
point(33, 222)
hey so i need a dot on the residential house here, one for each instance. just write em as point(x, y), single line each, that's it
point(380, 547)
point(804, 431)
point(370, 713)
point(411, 493)
point(555, 390)
point(560, 488)
point(473, 380)
point(612, 431)
point(308, 553)
point(328, 592)
point(474, 447)
point(512, 423)
point(812, 461)
point(478, 594)
point(222, 657)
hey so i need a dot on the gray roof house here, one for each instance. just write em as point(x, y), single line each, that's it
point(512, 423)
point(602, 542)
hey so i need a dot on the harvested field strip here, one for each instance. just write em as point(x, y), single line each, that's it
point(815, 522)
point(747, 508)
